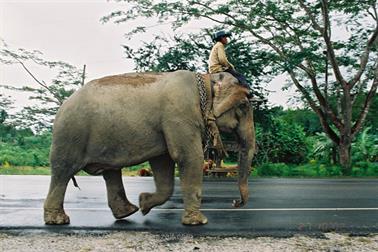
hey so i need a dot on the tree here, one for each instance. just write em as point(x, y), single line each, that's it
point(296, 33)
point(49, 96)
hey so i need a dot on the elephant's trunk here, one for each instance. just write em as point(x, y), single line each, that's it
point(246, 134)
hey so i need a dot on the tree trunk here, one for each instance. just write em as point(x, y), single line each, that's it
point(345, 158)
point(346, 132)
point(334, 155)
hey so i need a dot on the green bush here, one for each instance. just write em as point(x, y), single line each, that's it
point(312, 169)
point(365, 147)
point(281, 142)
point(372, 169)
point(271, 169)
point(26, 150)
point(333, 170)
point(363, 168)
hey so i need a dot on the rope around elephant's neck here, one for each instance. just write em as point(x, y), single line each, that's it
point(203, 105)
point(211, 134)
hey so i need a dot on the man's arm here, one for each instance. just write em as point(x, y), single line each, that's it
point(222, 57)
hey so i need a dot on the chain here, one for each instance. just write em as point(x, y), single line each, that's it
point(203, 104)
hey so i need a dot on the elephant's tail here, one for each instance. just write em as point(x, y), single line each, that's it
point(75, 182)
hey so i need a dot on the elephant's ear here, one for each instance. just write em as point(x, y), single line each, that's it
point(227, 95)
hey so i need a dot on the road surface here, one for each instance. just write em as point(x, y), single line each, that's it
point(277, 207)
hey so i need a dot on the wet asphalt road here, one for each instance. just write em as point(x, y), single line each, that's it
point(277, 207)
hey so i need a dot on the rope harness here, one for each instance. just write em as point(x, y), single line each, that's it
point(211, 134)
point(203, 104)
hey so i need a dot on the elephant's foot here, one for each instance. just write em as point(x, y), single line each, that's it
point(145, 202)
point(55, 217)
point(193, 218)
point(122, 211)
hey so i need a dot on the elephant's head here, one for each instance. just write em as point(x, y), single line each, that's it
point(233, 113)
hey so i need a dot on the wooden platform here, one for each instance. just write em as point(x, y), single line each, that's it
point(221, 172)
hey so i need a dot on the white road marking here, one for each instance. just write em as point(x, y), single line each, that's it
point(215, 209)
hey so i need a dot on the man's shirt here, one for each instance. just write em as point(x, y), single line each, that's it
point(218, 61)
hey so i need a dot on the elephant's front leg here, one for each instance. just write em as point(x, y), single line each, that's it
point(117, 200)
point(191, 176)
point(185, 147)
point(163, 168)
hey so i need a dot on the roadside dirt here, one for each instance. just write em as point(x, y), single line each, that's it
point(143, 241)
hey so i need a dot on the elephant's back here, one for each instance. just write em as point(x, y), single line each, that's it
point(140, 91)
point(131, 97)
point(112, 92)
point(129, 79)
point(120, 114)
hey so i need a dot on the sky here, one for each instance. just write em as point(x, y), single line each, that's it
point(71, 31)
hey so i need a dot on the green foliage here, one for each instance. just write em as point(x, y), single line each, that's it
point(269, 169)
point(323, 149)
point(23, 148)
point(365, 169)
point(304, 117)
point(5, 105)
point(312, 169)
point(279, 141)
point(365, 148)
point(24, 170)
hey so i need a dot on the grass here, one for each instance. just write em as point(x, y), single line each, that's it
point(40, 170)
point(24, 170)
point(313, 170)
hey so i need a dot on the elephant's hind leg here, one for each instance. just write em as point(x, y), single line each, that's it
point(117, 200)
point(53, 207)
point(163, 171)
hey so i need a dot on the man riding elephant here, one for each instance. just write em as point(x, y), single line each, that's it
point(218, 61)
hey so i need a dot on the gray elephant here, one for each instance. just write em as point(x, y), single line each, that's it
point(124, 120)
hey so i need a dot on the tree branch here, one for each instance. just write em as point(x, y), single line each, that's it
point(324, 104)
point(39, 82)
point(330, 51)
point(365, 57)
point(315, 24)
point(322, 117)
point(324, 32)
point(365, 109)
point(374, 15)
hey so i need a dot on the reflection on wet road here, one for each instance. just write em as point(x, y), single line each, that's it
point(276, 206)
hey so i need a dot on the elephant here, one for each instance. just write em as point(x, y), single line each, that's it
point(123, 120)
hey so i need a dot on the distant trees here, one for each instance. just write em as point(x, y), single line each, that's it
point(25, 136)
point(5, 105)
point(48, 96)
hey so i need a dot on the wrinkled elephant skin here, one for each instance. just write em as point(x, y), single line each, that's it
point(123, 120)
